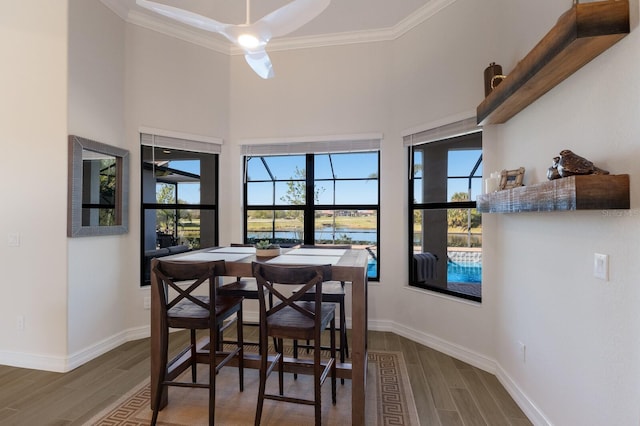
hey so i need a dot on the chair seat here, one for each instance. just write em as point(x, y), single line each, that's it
point(246, 288)
point(187, 314)
point(332, 291)
point(291, 324)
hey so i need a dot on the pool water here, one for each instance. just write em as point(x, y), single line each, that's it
point(464, 272)
point(457, 272)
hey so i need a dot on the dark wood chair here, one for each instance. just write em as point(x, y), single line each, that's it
point(244, 287)
point(332, 292)
point(176, 284)
point(295, 319)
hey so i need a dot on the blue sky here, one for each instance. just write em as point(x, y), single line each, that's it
point(461, 163)
point(351, 165)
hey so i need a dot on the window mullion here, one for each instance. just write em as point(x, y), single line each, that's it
point(309, 210)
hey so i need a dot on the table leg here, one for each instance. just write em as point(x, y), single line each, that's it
point(359, 348)
point(156, 325)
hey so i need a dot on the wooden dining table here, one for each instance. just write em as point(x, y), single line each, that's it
point(349, 265)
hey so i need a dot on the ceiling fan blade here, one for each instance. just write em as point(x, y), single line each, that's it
point(259, 61)
point(184, 16)
point(292, 16)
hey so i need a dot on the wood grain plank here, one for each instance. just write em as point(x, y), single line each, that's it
point(450, 418)
point(437, 385)
point(586, 192)
point(469, 411)
point(500, 395)
point(485, 402)
point(582, 33)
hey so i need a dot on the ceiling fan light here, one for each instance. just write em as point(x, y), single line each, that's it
point(248, 41)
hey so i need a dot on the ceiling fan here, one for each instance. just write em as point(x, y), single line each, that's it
point(251, 37)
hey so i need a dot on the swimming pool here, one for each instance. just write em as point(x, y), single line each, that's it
point(464, 272)
point(457, 272)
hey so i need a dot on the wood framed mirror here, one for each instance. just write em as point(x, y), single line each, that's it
point(98, 189)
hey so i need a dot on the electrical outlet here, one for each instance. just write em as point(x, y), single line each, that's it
point(522, 348)
point(13, 239)
point(20, 323)
point(601, 266)
point(147, 302)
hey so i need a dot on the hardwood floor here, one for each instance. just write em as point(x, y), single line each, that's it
point(447, 391)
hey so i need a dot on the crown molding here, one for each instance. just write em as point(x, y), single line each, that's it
point(221, 45)
point(210, 41)
point(118, 7)
point(426, 12)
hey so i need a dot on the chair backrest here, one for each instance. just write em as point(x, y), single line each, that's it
point(271, 277)
point(168, 275)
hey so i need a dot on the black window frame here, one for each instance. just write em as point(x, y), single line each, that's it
point(144, 281)
point(414, 206)
point(310, 207)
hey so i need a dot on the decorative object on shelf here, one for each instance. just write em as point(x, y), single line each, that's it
point(511, 178)
point(492, 77)
point(572, 164)
point(552, 172)
point(497, 79)
point(492, 183)
point(264, 248)
point(582, 33)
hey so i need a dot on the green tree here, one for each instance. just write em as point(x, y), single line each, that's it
point(465, 219)
point(296, 195)
point(107, 192)
point(297, 189)
point(165, 194)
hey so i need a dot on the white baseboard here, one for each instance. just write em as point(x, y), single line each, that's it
point(53, 363)
point(61, 364)
point(533, 413)
point(456, 351)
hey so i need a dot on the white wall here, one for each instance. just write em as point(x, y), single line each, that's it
point(438, 75)
point(170, 85)
point(99, 267)
point(33, 119)
point(582, 335)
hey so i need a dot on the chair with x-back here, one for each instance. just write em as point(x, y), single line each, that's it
point(295, 319)
point(245, 287)
point(332, 291)
point(187, 292)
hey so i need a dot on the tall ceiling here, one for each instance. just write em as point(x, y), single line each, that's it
point(344, 21)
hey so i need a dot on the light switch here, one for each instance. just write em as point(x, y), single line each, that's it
point(601, 266)
point(13, 239)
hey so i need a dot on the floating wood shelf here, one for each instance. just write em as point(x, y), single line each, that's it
point(581, 34)
point(587, 192)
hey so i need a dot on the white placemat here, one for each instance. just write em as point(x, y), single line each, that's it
point(317, 252)
point(208, 256)
point(287, 259)
point(248, 250)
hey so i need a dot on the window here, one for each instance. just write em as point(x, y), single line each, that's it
point(179, 198)
point(315, 198)
point(445, 229)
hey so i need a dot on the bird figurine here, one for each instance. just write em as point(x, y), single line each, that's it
point(552, 172)
point(572, 164)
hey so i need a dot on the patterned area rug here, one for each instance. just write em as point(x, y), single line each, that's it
point(389, 400)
